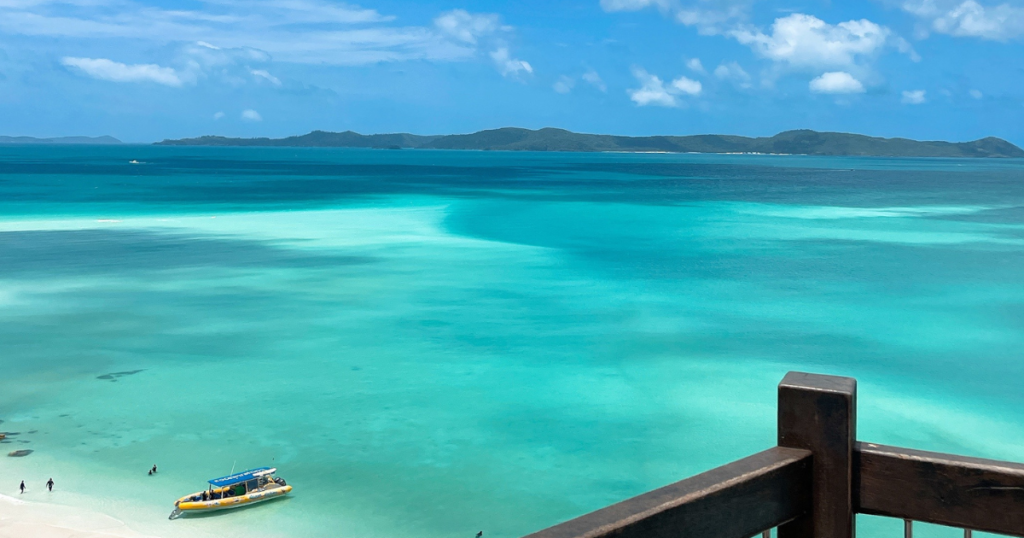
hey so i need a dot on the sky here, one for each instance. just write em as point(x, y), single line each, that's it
point(145, 70)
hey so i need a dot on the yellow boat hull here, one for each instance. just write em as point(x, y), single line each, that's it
point(187, 506)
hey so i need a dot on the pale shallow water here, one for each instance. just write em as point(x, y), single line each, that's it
point(428, 344)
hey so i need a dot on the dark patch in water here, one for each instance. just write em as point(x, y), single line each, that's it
point(356, 368)
point(114, 375)
point(19, 453)
point(62, 416)
point(33, 431)
point(41, 253)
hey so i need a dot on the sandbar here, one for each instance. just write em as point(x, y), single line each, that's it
point(19, 519)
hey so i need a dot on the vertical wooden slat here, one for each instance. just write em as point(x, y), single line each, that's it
point(819, 413)
point(908, 528)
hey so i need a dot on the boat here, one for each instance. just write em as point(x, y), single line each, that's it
point(233, 491)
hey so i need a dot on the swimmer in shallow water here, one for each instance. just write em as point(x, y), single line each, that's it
point(23, 486)
point(49, 484)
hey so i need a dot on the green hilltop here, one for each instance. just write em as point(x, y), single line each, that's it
point(800, 142)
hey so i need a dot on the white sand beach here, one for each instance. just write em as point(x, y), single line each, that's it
point(20, 519)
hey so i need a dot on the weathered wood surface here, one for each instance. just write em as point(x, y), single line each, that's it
point(958, 491)
point(819, 413)
point(737, 500)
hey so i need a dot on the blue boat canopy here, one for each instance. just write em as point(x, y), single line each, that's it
point(244, 476)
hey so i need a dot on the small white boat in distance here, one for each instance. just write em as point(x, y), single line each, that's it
point(233, 491)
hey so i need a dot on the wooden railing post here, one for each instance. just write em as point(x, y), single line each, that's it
point(819, 413)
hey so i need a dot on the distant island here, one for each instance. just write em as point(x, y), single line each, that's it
point(800, 142)
point(81, 140)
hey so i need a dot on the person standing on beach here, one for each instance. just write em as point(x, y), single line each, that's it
point(49, 484)
point(22, 486)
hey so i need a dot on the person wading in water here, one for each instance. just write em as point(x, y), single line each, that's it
point(49, 484)
point(23, 486)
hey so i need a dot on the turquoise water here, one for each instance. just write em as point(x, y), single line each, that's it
point(428, 344)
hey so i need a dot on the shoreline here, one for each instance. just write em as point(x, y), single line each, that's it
point(20, 518)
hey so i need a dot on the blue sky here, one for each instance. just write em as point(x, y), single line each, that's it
point(144, 70)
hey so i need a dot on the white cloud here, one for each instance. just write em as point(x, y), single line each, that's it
point(591, 77)
point(976, 94)
point(264, 74)
point(104, 69)
point(913, 97)
point(251, 115)
point(208, 56)
point(471, 32)
point(733, 72)
point(653, 91)
point(805, 41)
point(795, 42)
point(508, 65)
point(968, 18)
point(564, 84)
point(836, 82)
point(467, 27)
point(218, 115)
point(694, 65)
point(631, 5)
point(687, 86)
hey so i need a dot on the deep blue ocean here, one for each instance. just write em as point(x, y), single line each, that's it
point(433, 343)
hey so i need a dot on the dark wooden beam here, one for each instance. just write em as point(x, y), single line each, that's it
point(957, 491)
point(819, 413)
point(737, 500)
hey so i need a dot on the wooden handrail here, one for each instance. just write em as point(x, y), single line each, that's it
point(815, 481)
point(958, 491)
point(736, 500)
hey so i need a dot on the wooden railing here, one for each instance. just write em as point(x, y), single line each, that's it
point(813, 483)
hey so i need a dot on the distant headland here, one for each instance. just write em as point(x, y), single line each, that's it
point(801, 142)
